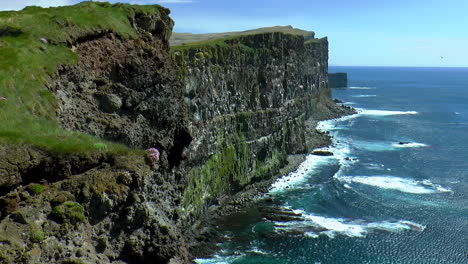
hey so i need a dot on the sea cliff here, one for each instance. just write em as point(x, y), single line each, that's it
point(88, 88)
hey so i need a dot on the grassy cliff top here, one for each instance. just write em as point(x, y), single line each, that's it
point(178, 39)
point(34, 44)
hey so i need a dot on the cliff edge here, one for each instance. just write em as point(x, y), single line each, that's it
point(86, 89)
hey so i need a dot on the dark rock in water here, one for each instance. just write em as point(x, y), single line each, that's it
point(281, 215)
point(404, 142)
point(338, 80)
point(338, 101)
point(322, 153)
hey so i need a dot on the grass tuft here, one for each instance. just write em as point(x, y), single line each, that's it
point(37, 235)
point(69, 212)
point(36, 188)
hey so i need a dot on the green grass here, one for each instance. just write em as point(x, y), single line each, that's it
point(219, 42)
point(311, 41)
point(69, 212)
point(37, 235)
point(27, 64)
point(36, 188)
point(178, 39)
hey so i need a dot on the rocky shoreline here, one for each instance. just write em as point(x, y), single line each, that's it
point(254, 202)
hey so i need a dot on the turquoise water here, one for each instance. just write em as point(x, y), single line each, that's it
point(375, 200)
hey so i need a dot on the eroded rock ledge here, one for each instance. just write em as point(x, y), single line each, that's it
point(225, 115)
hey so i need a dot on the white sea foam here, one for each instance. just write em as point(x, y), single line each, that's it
point(341, 151)
point(305, 170)
point(256, 250)
point(395, 183)
point(330, 125)
point(362, 111)
point(341, 154)
point(386, 146)
point(374, 145)
point(410, 145)
point(316, 225)
point(217, 259)
point(363, 95)
point(225, 257)
point(361, 88)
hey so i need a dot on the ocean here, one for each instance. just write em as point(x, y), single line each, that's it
point(395, 190)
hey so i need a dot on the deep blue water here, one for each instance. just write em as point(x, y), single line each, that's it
point(375, 200)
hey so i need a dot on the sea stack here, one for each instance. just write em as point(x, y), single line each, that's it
point(338, 80)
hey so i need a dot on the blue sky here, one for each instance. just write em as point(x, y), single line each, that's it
point(360, 32)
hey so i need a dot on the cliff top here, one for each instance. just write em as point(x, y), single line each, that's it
point(34, 44)
point(185, 38)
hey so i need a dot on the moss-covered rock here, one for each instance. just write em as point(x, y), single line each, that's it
point(37, 235)
point(36, 188)
point(68, 212)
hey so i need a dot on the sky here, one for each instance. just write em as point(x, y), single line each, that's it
point(431, 33)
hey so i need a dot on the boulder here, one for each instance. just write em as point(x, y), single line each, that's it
point(322, 153)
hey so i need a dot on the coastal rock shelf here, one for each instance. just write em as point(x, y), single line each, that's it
point(226, 115)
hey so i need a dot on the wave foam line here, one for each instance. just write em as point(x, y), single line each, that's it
point(410, 145)
point(312, 162)
point(362, 111)
point(341, 151)
point(301, 174)
point(315, 225)
point(395, 183)
point(329, 125)
point(363, 95)
point(217, 260)
point(361, 88)
point(387, 146)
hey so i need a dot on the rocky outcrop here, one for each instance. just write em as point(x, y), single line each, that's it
point(225, 115)
point(338, 80)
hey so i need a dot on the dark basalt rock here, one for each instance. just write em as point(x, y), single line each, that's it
point(338, 80)
point(322, 153)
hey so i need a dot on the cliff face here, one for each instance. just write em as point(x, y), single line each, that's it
point(224, 114)
point(248, 99)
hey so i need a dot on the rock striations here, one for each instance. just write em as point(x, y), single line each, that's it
point(225, 115)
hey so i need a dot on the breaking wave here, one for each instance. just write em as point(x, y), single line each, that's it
point(316, 225)
point(361, 88)
point(410, 145)
point(384, 112)
point(395, 183)
point(363, 95)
